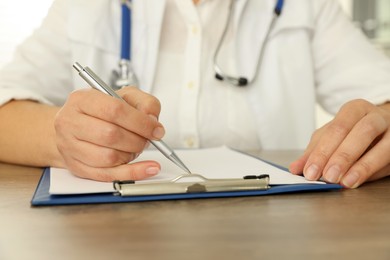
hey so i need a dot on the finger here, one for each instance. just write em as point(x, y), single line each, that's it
point(94, 155)
point(99, 156)
point(107, 108)
point(136, 171)
point(376, 159)
point(330, 140)
point(380, 174)
point(298, 165)
point(350, 150)
point(108, 135)
point(142, 101)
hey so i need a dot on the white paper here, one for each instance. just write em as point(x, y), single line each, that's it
point(213, 163)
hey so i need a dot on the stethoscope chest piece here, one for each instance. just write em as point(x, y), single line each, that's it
point(123, 76)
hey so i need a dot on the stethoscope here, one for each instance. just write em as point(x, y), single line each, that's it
point(243, 81)
point(125, 75)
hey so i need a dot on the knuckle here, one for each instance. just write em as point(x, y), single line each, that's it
point(76, 95)
point(116, 158)
point(114, 109)
point(151, 105)
point(364, 167)
point(370, 128)
point(338, 128)
point(359, 106)
point(356, 103)
point(139, 145)
point(99, 174)
point(345, 157)
point(128, 91)
point(321, 156)
point(155, 102)
point(363, 103)
point(131, 156)
point(110, 135)
point(103, 175)
point(110, 157)
point(147, 126)
point(134, 174)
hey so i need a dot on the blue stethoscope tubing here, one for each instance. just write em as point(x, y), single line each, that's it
point(126, 32)
point(279, 7)
point(124, 75)
point(219, 74)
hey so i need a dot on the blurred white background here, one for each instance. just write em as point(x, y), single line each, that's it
point(18, 18)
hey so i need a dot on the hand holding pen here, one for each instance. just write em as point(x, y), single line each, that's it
point(98, 135)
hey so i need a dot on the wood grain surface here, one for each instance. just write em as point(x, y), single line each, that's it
point(346, 224)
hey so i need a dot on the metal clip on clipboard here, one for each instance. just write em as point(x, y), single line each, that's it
point(250, 182)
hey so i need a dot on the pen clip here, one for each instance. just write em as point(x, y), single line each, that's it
point(176, 186)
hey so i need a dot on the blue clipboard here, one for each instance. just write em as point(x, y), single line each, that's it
point(42, 196)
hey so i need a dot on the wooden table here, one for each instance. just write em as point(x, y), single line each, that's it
point(347, 224)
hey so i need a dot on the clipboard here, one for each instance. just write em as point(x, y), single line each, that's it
point(42, 197)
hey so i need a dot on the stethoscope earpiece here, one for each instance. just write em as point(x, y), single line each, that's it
point(239, 82)
point(242, 82)
point(219, 77)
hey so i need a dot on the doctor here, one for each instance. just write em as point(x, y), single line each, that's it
point(307, 52)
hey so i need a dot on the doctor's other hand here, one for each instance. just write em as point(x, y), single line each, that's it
point(98, 135)
point(351, 149)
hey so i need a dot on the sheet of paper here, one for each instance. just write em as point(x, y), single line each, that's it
point(215, 163)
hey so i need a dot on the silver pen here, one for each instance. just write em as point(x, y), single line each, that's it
point(97, 83)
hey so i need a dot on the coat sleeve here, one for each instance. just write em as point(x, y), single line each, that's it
point(41, 66)
point(347, 65)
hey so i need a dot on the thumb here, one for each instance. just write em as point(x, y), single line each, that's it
point(134, 171)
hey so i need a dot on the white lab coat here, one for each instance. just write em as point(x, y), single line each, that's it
point(313, 54)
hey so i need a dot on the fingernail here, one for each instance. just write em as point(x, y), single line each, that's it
point(312, 172)
point(158, 132)
point(333, 174)
point(351, 180)
point(152, 170)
